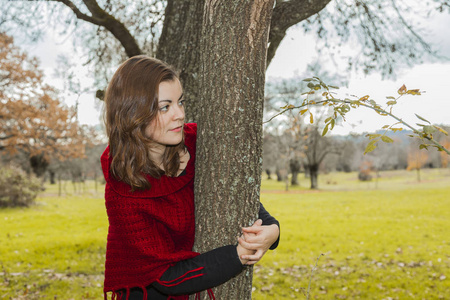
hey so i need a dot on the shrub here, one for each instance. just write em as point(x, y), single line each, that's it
point(17, 188)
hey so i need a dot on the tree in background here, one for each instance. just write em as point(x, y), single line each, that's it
point(32, 118)
point(317, 148)
point(416, 159)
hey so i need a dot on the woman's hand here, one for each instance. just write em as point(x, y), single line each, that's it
point(258, 238)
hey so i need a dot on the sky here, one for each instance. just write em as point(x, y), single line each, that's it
point(291, 59)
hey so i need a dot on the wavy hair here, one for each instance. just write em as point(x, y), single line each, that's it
point(131, 105)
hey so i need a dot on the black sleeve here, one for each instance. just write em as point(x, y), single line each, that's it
point(267, 219)
point(200, 273)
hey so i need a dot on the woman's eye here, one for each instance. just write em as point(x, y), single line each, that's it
point(164, 108)
point(181, 102)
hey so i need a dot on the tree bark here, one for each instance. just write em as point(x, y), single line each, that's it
point(314, 173)
point(295, 169)
point(179, 45)
point(39, 164)
point(229, 143)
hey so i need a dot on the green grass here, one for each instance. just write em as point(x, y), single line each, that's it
point(55, 248)
point(384, 241)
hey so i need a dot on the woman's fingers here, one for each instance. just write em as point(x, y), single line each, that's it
point(252, 229)
point(252, 259)
point(247, 245)
point(257, 224)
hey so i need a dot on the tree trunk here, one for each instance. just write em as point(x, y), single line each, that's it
point(295, 168)
point(39, 164)
point(52, 177)
point(314, 174)
point(279, 175)
point(229, 142)
point(179, 45)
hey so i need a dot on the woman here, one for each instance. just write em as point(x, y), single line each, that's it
point(149, 172)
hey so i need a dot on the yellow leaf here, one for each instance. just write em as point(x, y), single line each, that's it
point(440, 129)
point(366, 97)
point(311, 118)
point(402, 90)
point(325, 130)
point(303, 111)
point(396, 129)
point(413, 92)
point(370, 147)
point(387, 139)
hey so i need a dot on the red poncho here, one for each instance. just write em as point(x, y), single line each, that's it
point(149, 230)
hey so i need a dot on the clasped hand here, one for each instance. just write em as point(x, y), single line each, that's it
point(255, 241)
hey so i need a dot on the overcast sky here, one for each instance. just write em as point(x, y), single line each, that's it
point(292, 58)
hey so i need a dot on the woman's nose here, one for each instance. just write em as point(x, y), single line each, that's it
point(179, 113)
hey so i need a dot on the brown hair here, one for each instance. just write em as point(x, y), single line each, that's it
point(131, 104)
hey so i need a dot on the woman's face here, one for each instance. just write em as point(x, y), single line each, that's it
point(167, 128)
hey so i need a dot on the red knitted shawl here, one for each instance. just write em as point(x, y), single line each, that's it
point(149, 230)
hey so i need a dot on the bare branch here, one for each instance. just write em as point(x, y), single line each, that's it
point(101, 18)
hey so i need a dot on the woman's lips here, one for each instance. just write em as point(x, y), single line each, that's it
point(177, 129)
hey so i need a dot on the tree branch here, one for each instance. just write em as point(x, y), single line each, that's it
point(286, 14)
point(101, 18)
point(77, 12)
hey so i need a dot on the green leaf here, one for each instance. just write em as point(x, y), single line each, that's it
point(391, 102)
point(333, 87)
point(422, 119)
point(370, 146)
point(385, 126)
point(423, 146)
point(308, 79)
point(390, 97)
point(311, 85)
point(429, 129)
point(333, 121)
point(386, 139)
point(325, 130)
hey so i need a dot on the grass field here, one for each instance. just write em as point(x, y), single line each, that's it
point(384, 240)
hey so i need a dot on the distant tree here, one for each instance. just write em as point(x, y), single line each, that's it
point(416, 159)
point(317, 147)
point(32, 118)
point(348, 159)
